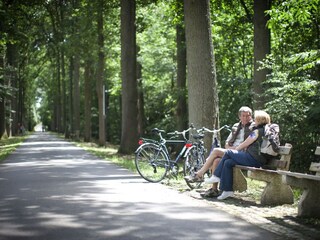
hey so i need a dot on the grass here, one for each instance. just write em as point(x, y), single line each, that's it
point(110, 152)
point(8, 145)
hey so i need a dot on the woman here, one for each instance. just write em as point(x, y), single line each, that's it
point(246, 154)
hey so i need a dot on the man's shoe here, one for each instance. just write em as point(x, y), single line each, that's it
point(225, 194)
point(213, 179)
point(210, 193)
point(193, 178)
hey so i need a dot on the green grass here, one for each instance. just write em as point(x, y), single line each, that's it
point(110, 152)
point(8, 145)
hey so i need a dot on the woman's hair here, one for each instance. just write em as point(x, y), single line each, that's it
point(261, 117)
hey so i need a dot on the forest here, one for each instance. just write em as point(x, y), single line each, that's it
point(110, 71)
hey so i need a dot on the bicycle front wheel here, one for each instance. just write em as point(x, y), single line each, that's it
point(193, 162)
point(151, 162)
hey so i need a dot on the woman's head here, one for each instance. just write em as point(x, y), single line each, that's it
point(261, 117)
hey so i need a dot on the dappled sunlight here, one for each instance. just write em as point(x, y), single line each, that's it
point(47, 191)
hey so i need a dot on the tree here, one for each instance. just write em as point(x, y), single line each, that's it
point(129, 126)
point(100, 75)
point(201, 77)
point(182, 109)
point(261, 50)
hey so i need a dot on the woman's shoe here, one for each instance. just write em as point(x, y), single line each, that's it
point(213, 179)
point(225, 194)
point(193, 178)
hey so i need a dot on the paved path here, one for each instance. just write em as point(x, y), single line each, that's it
point(52, 190)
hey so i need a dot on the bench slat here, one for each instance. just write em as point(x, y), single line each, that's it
point(285, 150)
point(315, 167)
point(300, 175)
point(317, 152)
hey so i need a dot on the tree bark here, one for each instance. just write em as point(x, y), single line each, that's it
point(76, 96)
point(261, 49)
point(129, 131)
point(201, 72)
point(88, 72)
point(182, 109)
point(100, 75)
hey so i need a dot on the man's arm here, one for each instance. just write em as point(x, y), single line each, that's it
point(252, 137)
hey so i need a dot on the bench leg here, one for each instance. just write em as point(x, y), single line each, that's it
point(239, 181)
point(309, 202)
point(275, 192)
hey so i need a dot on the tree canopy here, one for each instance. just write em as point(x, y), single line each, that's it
point(49, 65)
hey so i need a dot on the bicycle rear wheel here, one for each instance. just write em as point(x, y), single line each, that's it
point(151, 162)
point(193, 162)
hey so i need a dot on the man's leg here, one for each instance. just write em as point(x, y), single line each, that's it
point(213, 191)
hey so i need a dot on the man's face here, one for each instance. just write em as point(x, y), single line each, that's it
point(245, 117)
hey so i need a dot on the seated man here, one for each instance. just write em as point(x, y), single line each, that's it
point(240, 131)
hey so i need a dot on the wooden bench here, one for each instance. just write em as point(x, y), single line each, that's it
point(309, 201)
point(275, 192)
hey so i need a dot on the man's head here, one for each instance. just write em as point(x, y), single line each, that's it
point(245, 115)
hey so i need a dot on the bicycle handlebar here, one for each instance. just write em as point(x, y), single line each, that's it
point(214, 131)
point(183, 133)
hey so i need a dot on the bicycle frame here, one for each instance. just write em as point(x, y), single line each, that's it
point(162, 145)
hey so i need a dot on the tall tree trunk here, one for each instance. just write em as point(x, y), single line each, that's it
point(182, 110)
point(76, 95)
point(129, 131)
point(100, 75)
point(70, 115)
point(261, 49)
point(141, 115)
point(2, 95)
point(201, 77)
point(12, 80)
point(87, 100)
point(64, 94)
point(58, 93)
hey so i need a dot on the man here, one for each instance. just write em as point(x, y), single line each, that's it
point(240, 131)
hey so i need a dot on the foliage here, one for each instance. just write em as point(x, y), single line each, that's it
point(8, 145)
point(45, 29)
point(156, 39)
point(233, 47)
point(293, 85)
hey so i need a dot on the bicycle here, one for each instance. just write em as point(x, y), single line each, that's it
point(196, 156)
point(153, 161)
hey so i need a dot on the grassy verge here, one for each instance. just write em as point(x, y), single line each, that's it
point(110, 153)
point(8, 145)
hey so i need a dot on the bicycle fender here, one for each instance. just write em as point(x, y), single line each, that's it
point(143, 145)
point(187, 151)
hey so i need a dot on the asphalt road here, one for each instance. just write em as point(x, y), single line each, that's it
point(53, 190)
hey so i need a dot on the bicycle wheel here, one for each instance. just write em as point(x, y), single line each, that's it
point(193, 162)
point(151, 162)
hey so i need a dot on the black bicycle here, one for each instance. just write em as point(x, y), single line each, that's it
point(196, 155)
point(152, 158)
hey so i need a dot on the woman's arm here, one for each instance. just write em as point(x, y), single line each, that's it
point(250, 139)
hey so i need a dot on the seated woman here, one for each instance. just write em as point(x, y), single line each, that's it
point(246, 154)
point(240, 131)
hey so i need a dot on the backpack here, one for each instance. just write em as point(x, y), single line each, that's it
point(270, 141)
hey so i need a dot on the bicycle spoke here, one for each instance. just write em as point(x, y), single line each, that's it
point(151, 163)
point(194, 161)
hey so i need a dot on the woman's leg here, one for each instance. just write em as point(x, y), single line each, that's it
point(216, 153)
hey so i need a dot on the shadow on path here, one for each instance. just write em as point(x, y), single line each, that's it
point(53, 190)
